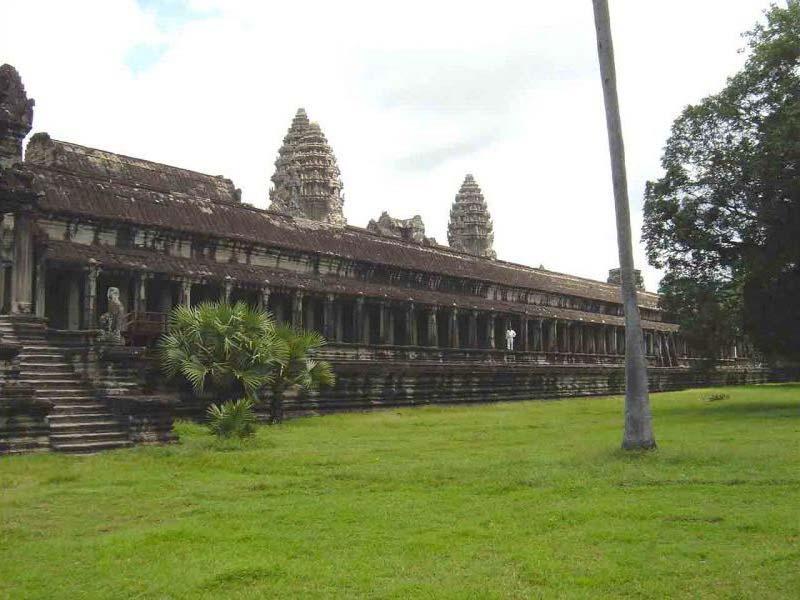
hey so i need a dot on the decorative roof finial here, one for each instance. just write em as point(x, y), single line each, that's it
point(16, 115)
point(470, 228)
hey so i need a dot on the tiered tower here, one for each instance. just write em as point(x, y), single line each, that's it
point(470, 228)
point(16, 116)
point(307, 181)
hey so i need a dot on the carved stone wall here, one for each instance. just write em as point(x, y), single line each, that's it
point(470, 228)
point(307, 182)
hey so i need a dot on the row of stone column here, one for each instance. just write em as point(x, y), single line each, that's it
point(534, 334)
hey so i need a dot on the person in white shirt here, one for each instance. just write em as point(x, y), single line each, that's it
point(510, 335)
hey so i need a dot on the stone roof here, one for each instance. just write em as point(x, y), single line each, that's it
point(111, 257)
point(117, 169)
point(97, 185)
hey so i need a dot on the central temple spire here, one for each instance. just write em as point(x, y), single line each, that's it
point(470, 228)
point(307, 181)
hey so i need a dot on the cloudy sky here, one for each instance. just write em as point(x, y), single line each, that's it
point(411, 95)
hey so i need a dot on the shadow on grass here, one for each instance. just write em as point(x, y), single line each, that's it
point(734, 408)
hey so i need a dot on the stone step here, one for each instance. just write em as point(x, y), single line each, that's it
point(47, 375)
point(71, 383)
point(87, 408)
point(91, 447)
point(110, 435)
point(65, 423)
point(66, 394)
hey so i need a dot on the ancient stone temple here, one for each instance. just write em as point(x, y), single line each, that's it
point(96, 248)
point(306, 181)
point(470, 228)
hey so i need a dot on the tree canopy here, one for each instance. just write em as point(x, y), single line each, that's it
point(724, 220)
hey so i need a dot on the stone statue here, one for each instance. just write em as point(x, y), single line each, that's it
point(112, 322)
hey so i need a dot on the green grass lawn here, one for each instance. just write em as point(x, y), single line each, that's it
point(518, 500)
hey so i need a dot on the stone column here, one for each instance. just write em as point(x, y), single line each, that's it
point(383, 323)
point(41, 288)
point(612, 331)
point(140, 294)
point(552, 345)
point(263, 298)
point(90, 296)
point(433, 328)
point(309, 320)
point(590, 339)
point(2, 284)
point(186, 292)
point(568, 346)
point(659, 345)
point(472, 329)
point(22, 281)
point(539, 335)
point(329, 324)
point(362, 334)
point(297, 309)
point(453, 329)
point(524, 344)
point(227, 288)
point(411, 324)
point(491, 342)
point(390, 325)
point(338, 311)
point(579, 347)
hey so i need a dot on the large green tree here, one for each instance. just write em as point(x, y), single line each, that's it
point(724, 220)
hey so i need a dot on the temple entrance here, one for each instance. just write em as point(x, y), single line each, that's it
point(64, 299)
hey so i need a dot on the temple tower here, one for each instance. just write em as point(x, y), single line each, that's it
point(470, 228)
point(16, 116)
point(307, 181)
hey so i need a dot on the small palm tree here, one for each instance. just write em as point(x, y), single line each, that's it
point(298, 370)
point(232, 349)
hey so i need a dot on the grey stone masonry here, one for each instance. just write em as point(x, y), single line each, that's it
point(470, 228)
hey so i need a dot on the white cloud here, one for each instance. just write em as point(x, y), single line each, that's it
point(411, 96)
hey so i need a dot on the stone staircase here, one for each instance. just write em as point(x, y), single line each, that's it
point(79, 423)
